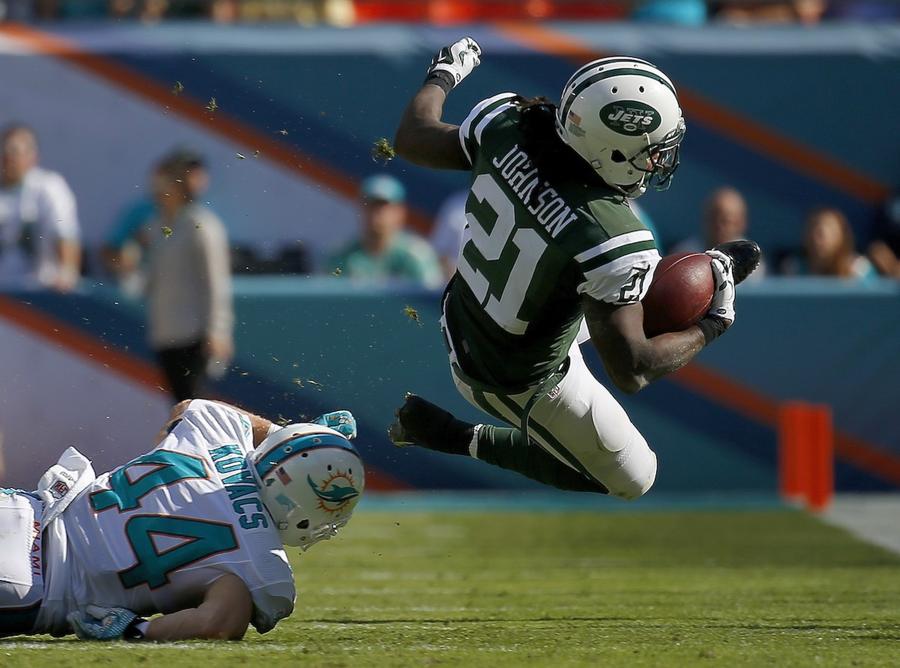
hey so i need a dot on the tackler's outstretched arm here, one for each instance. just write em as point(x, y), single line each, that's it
point(260, 425)
point(224, 614)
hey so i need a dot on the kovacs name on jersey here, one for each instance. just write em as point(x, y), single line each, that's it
point(234, 472)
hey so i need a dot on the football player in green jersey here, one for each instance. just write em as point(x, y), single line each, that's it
point(551, 249)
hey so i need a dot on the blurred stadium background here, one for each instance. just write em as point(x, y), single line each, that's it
point(794, 103)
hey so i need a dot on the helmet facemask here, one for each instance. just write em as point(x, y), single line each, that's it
point(659, 161)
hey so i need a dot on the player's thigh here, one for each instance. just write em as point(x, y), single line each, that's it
point(21, 580)
point(485, 402)
point(581, 418)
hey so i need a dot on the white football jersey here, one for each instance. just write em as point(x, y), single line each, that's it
point(153, 534)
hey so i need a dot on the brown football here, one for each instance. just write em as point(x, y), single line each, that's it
point(680, 294)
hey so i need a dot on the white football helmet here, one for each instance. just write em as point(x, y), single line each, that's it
point(310, 478)
point(621, 115)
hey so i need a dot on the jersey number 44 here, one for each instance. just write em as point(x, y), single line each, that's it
point(192, 539)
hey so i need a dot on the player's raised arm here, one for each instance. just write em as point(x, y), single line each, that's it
point(631, 359)
point(422, 137)
point(260, 425)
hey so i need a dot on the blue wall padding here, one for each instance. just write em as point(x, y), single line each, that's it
point(798, 339)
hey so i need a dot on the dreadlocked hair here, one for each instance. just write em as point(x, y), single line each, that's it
point(549, 153)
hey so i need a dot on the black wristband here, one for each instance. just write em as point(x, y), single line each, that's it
point(712, 328)
point(441, 79)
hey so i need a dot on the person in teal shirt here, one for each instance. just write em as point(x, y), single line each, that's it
point(385, 252)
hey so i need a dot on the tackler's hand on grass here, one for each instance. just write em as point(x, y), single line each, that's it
point(99, 623)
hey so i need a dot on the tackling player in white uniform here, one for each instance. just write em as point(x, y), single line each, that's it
point(193, 529)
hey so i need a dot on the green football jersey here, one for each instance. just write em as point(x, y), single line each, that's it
point(532, 246)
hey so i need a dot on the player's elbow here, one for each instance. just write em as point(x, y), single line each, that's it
point(402, 137)
point(628, 381)
point(628, 372)
point(179, 409)
point(413, 141)
point(224, 627)
point(227, 610)
point(627, 362)
point(405, 144)
point(227, 634)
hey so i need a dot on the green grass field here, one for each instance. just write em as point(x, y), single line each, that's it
point(761, 588)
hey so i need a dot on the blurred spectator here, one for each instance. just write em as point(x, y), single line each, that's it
point(884, 251)
point(724, 219)
point(189, 282)
point(125, 250)
point(769, 11)
point(829, 249)
point(385, 251)
point(450, 223)
point(17, 10)
point(447, 233)
point(335, 12)
point(153, 11)
point(39, 234)
point(684, 12)
point(224, 11)
point(864, 10)
point(347, 12)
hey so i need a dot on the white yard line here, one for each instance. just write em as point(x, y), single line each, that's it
point(874, 518)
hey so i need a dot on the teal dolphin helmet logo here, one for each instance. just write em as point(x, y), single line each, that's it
point(335, 492)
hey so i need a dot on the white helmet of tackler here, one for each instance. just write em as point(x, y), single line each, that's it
point(310, 480)
point(622, 116)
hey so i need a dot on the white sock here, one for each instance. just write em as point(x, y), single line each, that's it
point(473, 446)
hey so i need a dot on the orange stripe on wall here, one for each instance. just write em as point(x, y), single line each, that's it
point(867, 458)
point(218, 122)
point(61, 335)
point(738, 129)
point(751, 404)
point(725, 391)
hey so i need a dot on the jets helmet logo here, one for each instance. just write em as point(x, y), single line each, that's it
point(630, 117)
point(335, 492)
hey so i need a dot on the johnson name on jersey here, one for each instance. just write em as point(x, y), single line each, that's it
point(152, 535)
point(534, 243)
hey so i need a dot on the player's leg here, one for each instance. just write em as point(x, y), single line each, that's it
point(430, 426)
point(507, 448)
point(581, 423)
point(422, 423)
point(21, 577)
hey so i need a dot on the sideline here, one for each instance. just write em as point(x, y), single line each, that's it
point(873, 518)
